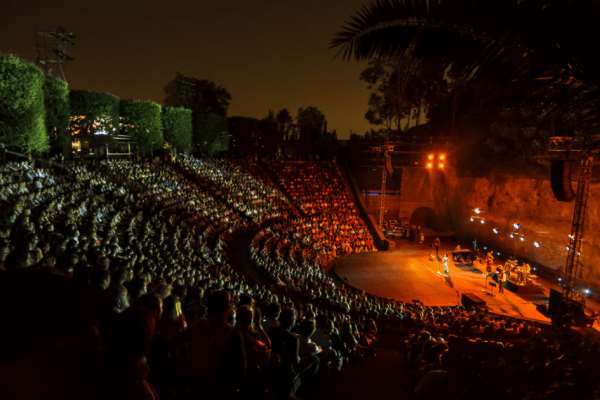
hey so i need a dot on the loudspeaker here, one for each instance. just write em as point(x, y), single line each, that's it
point(560, 181)
point(554, 303)
point(469, 300)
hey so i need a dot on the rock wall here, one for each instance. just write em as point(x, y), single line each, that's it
point(506, 200)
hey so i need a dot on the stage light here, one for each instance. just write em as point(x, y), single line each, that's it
point(472, 220)
point(586, 291)
point(483, 221)
point(495, 230)
point(498, 253)
point(429, 165)
point(431, 156)
point(537, 244)
point(512, 236)
point(522, 239)
point(485, 248)
point(568, 248)
point(442, 157)
point(441, 166)
point(477, 211)
point(516, 225)
point(560, 279)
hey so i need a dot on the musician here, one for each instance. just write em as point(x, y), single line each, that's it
point(526, 269)
point(490, 261)
point(580, 298)
point(501, 281)
point(437, 244)
point(446, 272)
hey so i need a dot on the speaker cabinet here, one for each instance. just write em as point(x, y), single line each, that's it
point(560, 181)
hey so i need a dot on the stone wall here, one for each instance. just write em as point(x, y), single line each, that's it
point(504, 200)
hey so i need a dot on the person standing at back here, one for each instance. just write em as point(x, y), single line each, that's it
point(437, 244)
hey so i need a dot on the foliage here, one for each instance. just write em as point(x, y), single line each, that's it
point(177, 126)
point(284, 122)
point(94, 116)
point(243, 132)
point(210, 134)
point(268, 137)
point(22, 113)
point(56, 102)
point(142, 121)
point(314, 120)
point(202, 96)
point(525, 47)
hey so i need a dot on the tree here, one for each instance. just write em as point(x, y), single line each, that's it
point(22, 111)
point(177, 126)
point(94, 117)
point(524, 47)
point(314, 120)
point(202, 96)
point(243, 132)
point(56, 103)
point(210, 134)
point(268, 137)
point(141, 120)
point(284, 122)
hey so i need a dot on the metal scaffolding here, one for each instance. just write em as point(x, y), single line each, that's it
point(52, 52)
point(577, 231)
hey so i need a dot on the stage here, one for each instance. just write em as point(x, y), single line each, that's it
point(408, 274)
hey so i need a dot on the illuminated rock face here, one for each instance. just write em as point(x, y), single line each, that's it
point(529, 202)
point(504, 201)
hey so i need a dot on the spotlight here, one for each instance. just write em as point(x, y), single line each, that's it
point(431, 157)
point(537, 244)
point(559, 279)
point(485, 248)
point(472, 220)
point(568, 248)
point(483, 221)
point(442, 157)
point(495, 230)
point(477, 211)
point(429, 165)
point(522, 239)
point(512, 236)
point(587, 291)
point(498, 253)
point(516, 225)
point(441, 166)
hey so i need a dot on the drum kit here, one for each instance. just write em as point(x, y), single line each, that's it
point(519, 274)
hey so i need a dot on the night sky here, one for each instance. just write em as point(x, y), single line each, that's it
point(267, 53)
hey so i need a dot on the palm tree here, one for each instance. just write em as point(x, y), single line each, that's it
point(542, 49)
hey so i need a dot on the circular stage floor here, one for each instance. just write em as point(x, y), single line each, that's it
point(408, 274)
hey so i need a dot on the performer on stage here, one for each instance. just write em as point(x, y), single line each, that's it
point(490, 261)
point(501, 282)
point(437, 246)
point(446, 272)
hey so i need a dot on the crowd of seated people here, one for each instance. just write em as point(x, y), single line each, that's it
point(147, 240)
point(150, 239)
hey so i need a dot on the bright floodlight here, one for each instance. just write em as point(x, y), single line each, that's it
point(522, 239)
point(512, 236)
point(429, 165)
point(483, 221)
point(587, 291)
point(442, 157)
point(472, 220)
point(537, 244)
point(441, 165)
point(516, 225)
point(431, 156)
point(495, 230)
point(477, 211)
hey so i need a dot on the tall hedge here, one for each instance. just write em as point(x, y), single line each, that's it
point(56, 102)
point(210, 134)
point(243, 132)
point(22, 113)
point(141, 120)
point(177, 126)
point(95, 112)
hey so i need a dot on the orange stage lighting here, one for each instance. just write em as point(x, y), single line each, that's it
point(429, 165)
point(431, 156)
point(441, 165)
point(442, 157)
